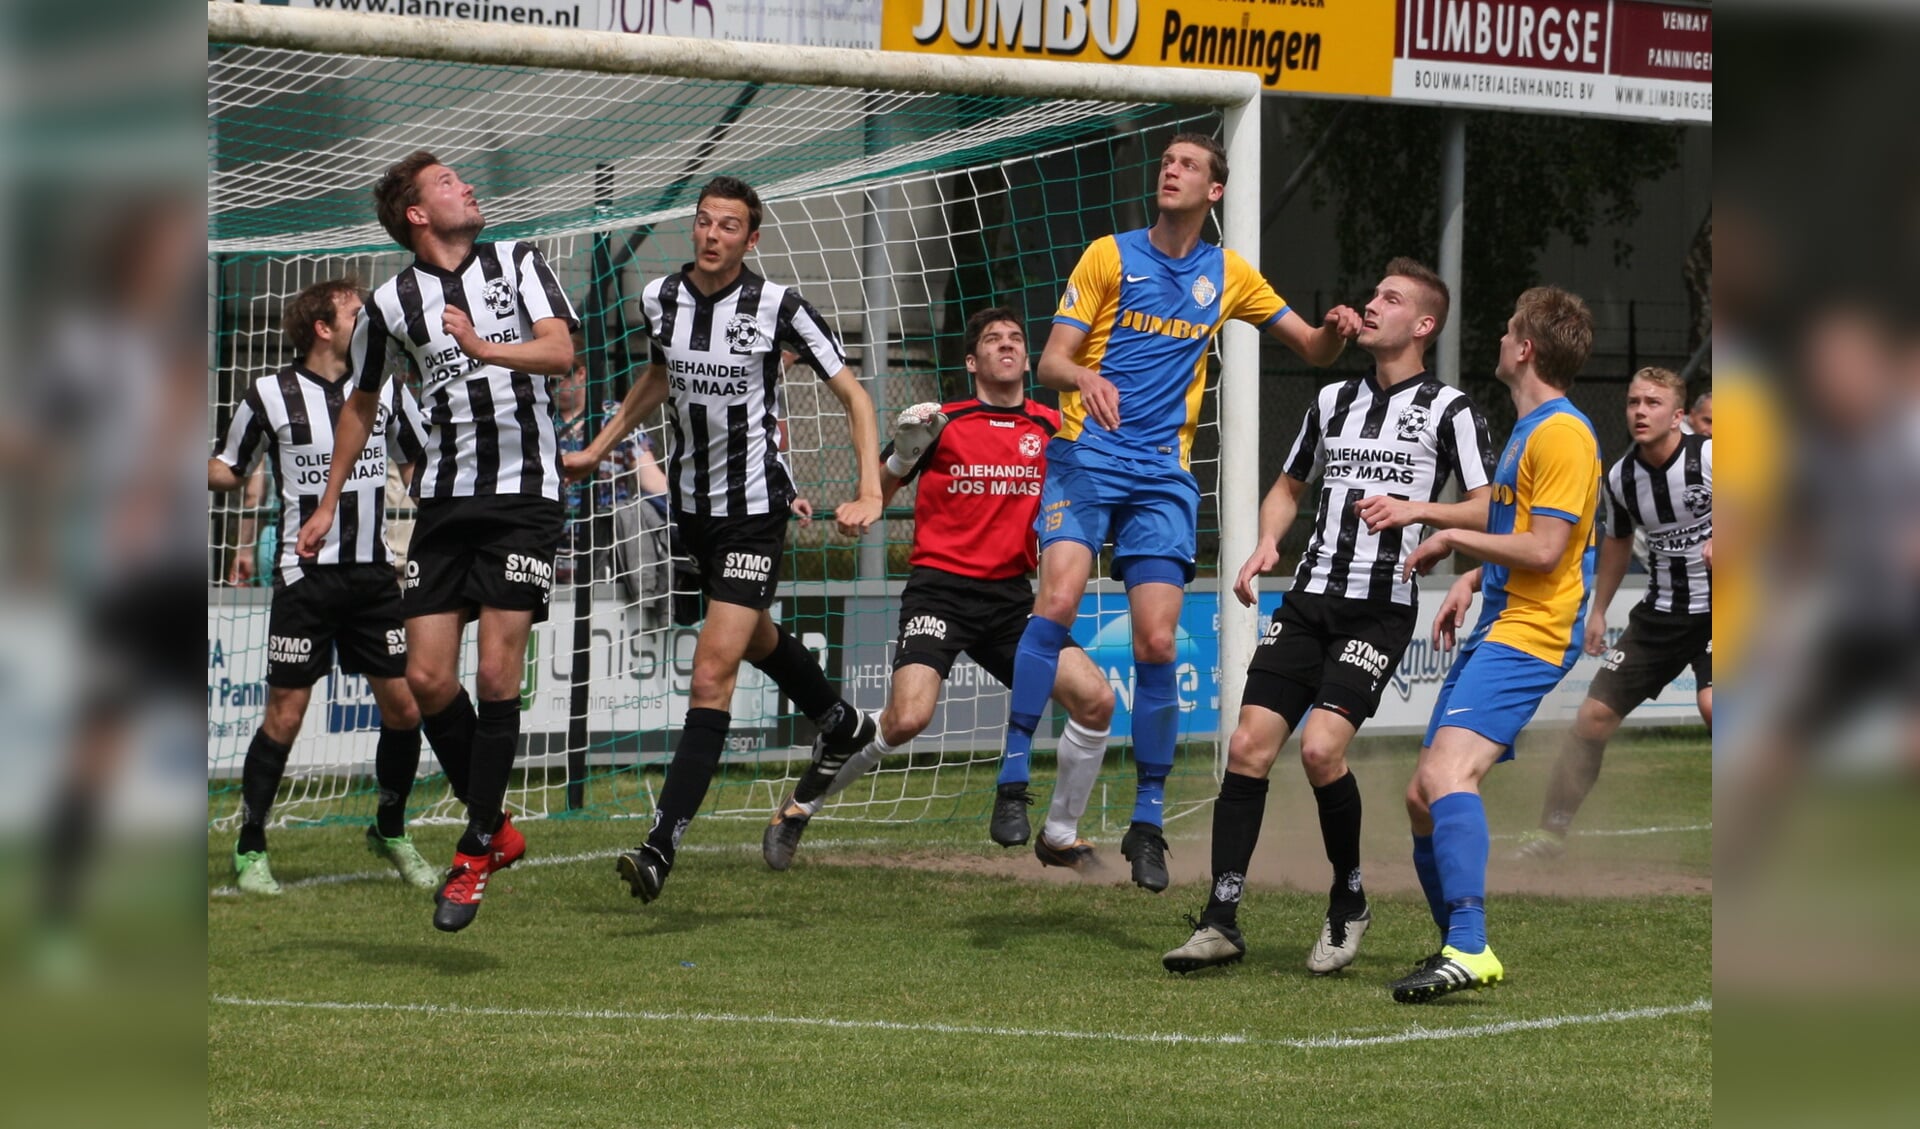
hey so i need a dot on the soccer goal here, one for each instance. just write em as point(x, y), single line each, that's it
point(903, 193)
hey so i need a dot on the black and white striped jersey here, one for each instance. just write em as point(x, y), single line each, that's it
point(489, 430)
point(1673, 504)
point(1403, 442)
point(290, 416)
point(721, 353)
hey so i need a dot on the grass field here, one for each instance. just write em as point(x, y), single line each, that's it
point(921, 976)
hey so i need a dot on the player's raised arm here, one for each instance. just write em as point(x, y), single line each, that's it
point(854, 517)
point(647, 393)
point(1317, 345)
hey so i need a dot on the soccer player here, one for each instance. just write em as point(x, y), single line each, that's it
point(1128, 351)
point(1664, 486)
point(346, 596)
point(1539, 549)
point(1385, 445)
point(485, 324)
point(980, 462)
point(718, 330)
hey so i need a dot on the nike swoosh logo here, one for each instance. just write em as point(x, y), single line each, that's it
point(1466, 709)
point(1138, 277)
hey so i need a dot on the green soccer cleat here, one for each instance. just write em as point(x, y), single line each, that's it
point(414, 870)
point(255, 876)
point(1453, 971)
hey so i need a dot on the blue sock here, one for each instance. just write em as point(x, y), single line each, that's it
point(1460, 844)
point(1035, 663)
point(1429, 871)
point(1156, 728)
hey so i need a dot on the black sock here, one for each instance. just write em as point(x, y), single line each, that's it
point(450, 732)
point(396, 760)
point(70, 838)
point(1574, 775)
point(260, 774)
point(1236, 828)
point(794, 669)
point(694, 762)
point(1340, 830)
point(840, 725)
point(496, 738)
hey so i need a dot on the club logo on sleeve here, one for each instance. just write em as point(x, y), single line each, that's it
point(1412, 423)
point(1698, 500)
point(1030, 445)
point(1203, 291)
point(743, 334)
point(499, 297)
point(1070, 299)
point(523, 569)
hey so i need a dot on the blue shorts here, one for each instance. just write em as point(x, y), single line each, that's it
point(1150, 508)
point(1493, 690)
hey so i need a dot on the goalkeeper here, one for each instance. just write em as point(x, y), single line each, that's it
point(980, 462)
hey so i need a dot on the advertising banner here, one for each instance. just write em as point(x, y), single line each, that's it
point(1297, 46)
point(1614, 58)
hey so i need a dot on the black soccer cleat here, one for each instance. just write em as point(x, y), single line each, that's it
point(1146, 848)
point(782, 837)
point(1009, 827)
point(1080, 856)
point(643, 870)
point(1446, 972)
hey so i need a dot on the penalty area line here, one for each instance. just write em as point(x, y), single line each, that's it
point(1415, 1034)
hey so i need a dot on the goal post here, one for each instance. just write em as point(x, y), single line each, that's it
point(902, 192)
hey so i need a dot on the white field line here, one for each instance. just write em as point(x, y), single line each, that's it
point(1606, 833)
point(812, 845)
point(1414, 1034)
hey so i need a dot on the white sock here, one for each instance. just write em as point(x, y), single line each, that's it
point(856, 767)
point(1077, 767)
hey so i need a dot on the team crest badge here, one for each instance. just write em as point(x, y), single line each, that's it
point(743, 334)
point(499, 297)
point(1203, 291)
point(1029, 445)
point(1698, 499)
point(1412, 423)
point(1070, 299)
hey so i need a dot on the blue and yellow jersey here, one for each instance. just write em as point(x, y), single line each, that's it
point(1149, 320)
point(1551, 466)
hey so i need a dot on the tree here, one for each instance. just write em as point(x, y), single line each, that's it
point(1529, 177)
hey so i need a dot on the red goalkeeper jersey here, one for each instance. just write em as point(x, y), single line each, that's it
point(980, 490)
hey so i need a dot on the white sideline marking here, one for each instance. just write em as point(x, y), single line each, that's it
point(1608, 833)
point(1414, 1034)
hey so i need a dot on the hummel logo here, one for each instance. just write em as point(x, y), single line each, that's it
point(1138, 277)
point(1462, 709)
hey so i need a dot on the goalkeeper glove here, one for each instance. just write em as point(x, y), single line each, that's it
point(913, 433)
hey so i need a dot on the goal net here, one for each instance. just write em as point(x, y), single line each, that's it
point(896, 212)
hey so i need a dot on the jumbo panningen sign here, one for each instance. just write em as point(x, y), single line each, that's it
point(1339, 47)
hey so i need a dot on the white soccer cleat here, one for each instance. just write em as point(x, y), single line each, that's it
point(1339, 942)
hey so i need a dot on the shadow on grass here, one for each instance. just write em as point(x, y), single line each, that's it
point(997, 931)
point(442, 959)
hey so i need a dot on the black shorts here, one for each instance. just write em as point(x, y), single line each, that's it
point(354, 609)
point(943, 613)
point(1652, 652)
point(490, 552)
point(1330, 652)
point(738, 557)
